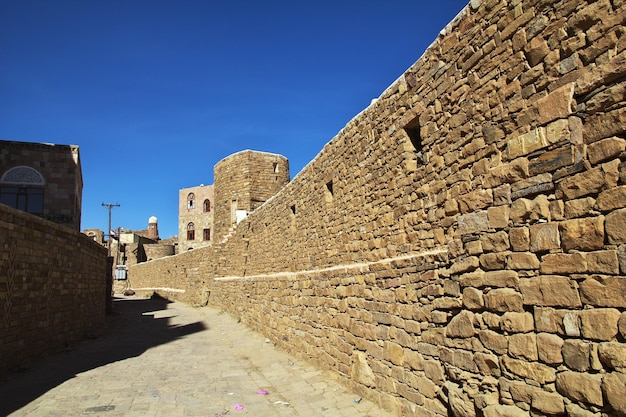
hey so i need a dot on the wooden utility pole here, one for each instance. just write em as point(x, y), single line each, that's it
point(110, 207)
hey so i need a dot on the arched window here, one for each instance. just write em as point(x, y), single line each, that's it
point(191, 231)
point(190, 201)
point(207, 205)
point(22, 187)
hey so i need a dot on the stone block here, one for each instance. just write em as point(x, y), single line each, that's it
point(602, 262)
point(599, 323)
point(394, 353)
point(473, 299)
point(536, 50)
point(544, 237)
point(493, 261)
point(475, 200)
point(580, 387)
point(614, 389)
point(504, 411)
point(493, 341)
point(498, 217)
point(603, 291)
point(577, 355)
point(495, 242)
point(524, 210)
point(589, 182)
point(606, 149)
point(501, 278)
point(511, 322)
point(564, 263)
point(549, 348)
point(473, 222)
point(580, 207)
point(472, 279)
point(550, 161)
point(611, 199)
point(612, 355)
point(514, 171)
point(502, 195)
point(464, 265)
point(585, 234)
point(523, 346)
point(522, 260)
point(550, 290)
point(461, 325)
point(534, 371)
point(361, 371)
point(616, 227)
point(503, 300)
point(527, 143)
point(520, 239)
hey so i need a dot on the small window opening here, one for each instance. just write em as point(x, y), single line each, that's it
point(207, 205)
point(412, 130)
point(293, 210)
point(275, 167)
point(206, 234)
point(328, 194)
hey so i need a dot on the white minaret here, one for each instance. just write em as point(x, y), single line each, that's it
point(153, 228)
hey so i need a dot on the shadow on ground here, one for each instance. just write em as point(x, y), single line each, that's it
point(129, 332)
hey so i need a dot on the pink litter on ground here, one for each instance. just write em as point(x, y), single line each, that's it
point(239, 407)
point(262, 392)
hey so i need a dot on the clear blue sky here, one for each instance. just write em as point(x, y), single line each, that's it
point(156, 92)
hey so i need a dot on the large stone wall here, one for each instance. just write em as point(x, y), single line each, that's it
point(52, 287)
point(459, 248)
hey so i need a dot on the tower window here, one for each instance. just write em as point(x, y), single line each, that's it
point(191, 231)
point(206, 234)
point(191, 200)
point(207, 205)
point(275, 167)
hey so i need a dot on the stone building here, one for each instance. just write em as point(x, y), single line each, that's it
point(243, 182)
point(42, 179)
point(195, 217)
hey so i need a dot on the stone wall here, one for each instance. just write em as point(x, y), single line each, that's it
point(52, 287)
point(459, 248)
point(183, 277)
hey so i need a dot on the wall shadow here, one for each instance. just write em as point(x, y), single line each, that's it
point(127, 333)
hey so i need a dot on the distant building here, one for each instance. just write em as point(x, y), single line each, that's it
point(42, 179)
point(195, 217)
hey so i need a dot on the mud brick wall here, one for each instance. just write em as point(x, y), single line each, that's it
point(459, 248)
point(52, 287)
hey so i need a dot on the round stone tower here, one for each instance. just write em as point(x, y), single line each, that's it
point(242, 183)
point(153, 228)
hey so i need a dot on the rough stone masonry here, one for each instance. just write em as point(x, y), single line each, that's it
point(459, 248)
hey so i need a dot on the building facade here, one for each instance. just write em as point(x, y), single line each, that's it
point(42, 179)
point(195, 217)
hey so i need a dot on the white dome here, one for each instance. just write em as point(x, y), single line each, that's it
point(152, 219)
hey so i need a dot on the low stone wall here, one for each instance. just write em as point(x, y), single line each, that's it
point(181, 277)
point(52, 287)
point(459, 248)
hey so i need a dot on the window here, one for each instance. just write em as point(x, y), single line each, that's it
point(21, 187)
point(191, 232)
point(412, 130)
point(190, 201)
point(275, 167)
point(206, 234)
point(328, 193)
point(28, 199)
point(207, 205)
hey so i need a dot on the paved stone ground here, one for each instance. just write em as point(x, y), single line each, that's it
point(157, 358)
